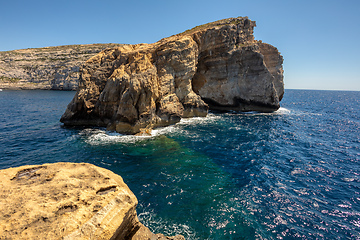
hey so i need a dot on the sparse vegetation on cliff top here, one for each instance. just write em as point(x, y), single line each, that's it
point(227, 21)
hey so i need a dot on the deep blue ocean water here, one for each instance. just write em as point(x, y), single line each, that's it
point(291, 174)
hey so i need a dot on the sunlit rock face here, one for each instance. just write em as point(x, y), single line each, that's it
point(134, 88)
point(68, 201)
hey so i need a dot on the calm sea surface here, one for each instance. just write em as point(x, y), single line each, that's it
point(292, 174)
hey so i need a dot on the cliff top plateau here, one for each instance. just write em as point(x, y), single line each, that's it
point(68, 201)
point(219, 66)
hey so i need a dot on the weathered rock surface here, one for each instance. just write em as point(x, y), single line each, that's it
point(68, 201)
point(54, 68)
point(218, 65)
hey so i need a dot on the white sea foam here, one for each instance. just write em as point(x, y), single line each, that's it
point(103, 137)
point(348, 179)
point(280, 111)
point(198, 120)
point(283, 110)
point(157, 224)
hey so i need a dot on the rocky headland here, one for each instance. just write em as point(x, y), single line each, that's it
point(68, 201)
point(55, 68)
point(219, 66)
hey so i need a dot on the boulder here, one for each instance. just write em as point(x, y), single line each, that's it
point(68, 201)
point(219, 65)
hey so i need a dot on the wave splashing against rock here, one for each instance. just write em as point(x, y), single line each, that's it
point(219, 66)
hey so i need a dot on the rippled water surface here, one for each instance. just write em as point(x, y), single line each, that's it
point(292, 174)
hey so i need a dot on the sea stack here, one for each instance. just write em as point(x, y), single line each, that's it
point(219, 66)
point(68, 201)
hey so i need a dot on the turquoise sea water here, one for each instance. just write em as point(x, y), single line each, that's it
point(291, 174)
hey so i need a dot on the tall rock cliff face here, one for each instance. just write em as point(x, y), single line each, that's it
point(219, 66)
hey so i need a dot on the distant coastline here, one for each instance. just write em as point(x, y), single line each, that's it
point(48, 68)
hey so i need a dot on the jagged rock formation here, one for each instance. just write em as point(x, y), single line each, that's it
point(218, 65)
point(54, 68)
point(68, 201)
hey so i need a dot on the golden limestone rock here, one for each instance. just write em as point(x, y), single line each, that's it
point(217, 65)
point(68, 201)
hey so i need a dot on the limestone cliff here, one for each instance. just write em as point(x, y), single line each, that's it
point(68, 201)
point(218, 66)
point(54, 68)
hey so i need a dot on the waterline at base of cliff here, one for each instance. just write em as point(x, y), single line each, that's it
point(132, 89)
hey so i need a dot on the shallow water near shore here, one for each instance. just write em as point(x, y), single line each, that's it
point(291, 174)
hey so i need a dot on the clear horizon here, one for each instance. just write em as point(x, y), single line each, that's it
point(314, 37)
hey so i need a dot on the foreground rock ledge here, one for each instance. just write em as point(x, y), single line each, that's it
point(68, 201)
point(218, 65)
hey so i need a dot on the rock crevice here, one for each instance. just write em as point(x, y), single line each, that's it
point(219, 65)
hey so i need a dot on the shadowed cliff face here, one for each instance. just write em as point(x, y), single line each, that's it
point(219, 66)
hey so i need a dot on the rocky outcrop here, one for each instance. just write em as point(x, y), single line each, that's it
point(68, 201)
point(54, 68)
point(219, 66)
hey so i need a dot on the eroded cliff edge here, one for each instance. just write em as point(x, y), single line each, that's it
point(68, 201)
point(218, 65)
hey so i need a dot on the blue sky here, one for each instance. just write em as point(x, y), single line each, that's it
point(319, 39)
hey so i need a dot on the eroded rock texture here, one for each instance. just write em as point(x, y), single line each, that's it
point(55, 68)
point(68, 201)
point(219, 66)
